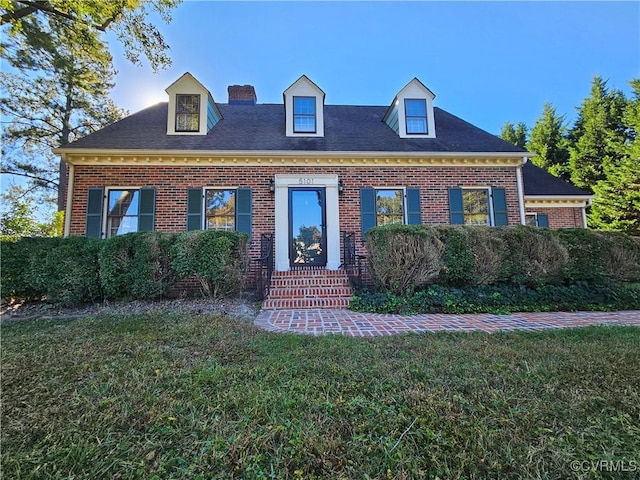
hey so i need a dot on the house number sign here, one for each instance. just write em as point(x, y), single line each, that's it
point(305, 181)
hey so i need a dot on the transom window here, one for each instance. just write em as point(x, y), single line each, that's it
point(187, 113)
point(304, 114)
point(389, 206)
point(475, 203)
point(415, 111)
point(220, 209)
point(122, 216)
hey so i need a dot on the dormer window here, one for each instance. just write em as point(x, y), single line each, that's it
point(411, 114)
point(304, 109)
point(187, 113)
point(304, 114)
point(191, 109)
point(416, 115)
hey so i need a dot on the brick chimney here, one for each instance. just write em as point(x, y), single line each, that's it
point(242, 95)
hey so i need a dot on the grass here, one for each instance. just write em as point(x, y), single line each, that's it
point(159, 397)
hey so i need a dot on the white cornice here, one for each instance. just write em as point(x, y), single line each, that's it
point(556, 201)
point(75, 156)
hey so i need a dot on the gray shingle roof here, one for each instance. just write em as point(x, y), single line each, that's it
point(262, 128)
point(539, 182)
point(348, 128)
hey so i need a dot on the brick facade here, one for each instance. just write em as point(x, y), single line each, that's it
point(171, 184)
point(561, 217)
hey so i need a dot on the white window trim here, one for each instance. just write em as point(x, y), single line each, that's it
point(489, 190)
point(105, 206)
point(175, 114)
point(405, 215)
point(204, 203)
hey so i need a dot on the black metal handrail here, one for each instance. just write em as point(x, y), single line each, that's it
point(265, 264)
point(351, 261)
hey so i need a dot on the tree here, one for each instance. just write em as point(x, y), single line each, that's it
point(616, 205)
point(58, 93)
point(597, 136)
point(19, 219)
point(516, 135)
point(128, 19)
point(549, 143)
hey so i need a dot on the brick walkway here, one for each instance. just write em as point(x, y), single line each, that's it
point(345, 322)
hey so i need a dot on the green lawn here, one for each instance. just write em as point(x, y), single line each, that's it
point(213, 397)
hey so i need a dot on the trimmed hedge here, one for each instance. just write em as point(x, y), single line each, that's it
point(62, 270)
point(520, 255)
point(137, 265)
point(218, 259)
point(142, 265)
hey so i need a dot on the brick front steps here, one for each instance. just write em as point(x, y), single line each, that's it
point(306, 288)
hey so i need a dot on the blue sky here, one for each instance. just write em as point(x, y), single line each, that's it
point(487, 62)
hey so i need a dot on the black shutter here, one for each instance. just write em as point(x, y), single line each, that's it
point(147, 210)
point(456, 207)
point(542, 220)
point(95, 202)
point(499, 207)
point(243, 211)
point(367, 209)
point(194, 209)
point(413, 206)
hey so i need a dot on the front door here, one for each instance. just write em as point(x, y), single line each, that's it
point(307, 231)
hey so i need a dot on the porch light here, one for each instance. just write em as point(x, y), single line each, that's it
point(340, 186)
point(272, 185)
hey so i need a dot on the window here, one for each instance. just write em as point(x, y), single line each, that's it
point(478, 206)
point(415, 111)
point(187, 113)
point(389, 206)
point(304, 114)
point(122, 213)
point(475, 204)
point(220, 209)
point(383, 206)
point(537, 220)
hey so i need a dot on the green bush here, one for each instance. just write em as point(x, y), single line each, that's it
point(458, 268)
point(218, 259)
point(15, 260)
point(535, 256)
point(137, 265)
point(62, 270)
point(585, 262)
point(403, 258)
point(502, 299)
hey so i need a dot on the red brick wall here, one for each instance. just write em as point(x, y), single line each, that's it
point(171, 185)
point(561, 217)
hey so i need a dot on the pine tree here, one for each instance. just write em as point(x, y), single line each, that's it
point(597, 135)
point(59, 92)
point(517, 135)
point(616, 205)
point(547, 140)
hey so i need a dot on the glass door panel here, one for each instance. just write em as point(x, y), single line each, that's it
point(307, 235)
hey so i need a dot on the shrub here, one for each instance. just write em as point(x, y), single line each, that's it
point(64, 270)
point(502, 299)
point(137, 265)
point(218, 259)
point(585, 255)
point(621, 259)
point(16, 254)
point(403, 258)
point(458, 268)
point(535, 256)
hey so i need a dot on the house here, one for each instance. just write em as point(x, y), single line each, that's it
point(303, 170)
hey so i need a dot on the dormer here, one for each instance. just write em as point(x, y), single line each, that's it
point(411, 113)
point(304, 109)
point(192, 110)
